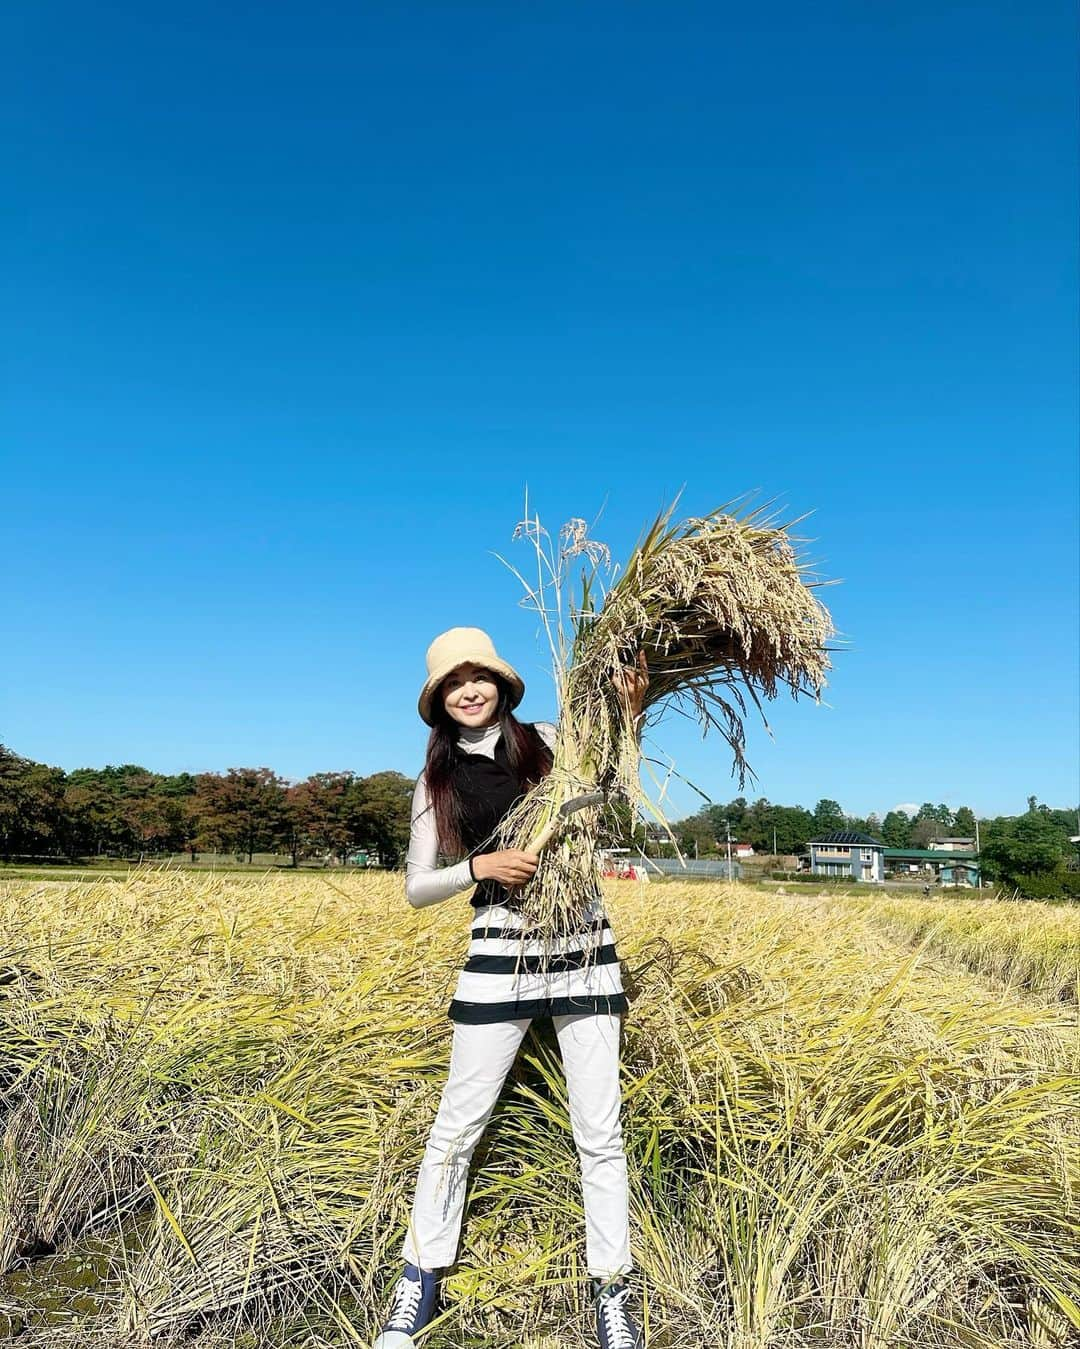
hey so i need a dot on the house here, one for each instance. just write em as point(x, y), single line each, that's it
point(847, 852)
point(947, 866)
point(742, 850)
point(953, 844)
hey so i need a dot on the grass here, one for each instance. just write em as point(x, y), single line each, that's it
point(834, 1139)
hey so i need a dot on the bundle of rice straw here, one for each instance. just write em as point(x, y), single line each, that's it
point(720, 605)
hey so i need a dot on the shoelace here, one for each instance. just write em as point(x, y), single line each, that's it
point(407, 1295)
point(619, 1334)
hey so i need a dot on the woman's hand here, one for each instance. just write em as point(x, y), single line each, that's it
point(509, 867)
point(632, 681)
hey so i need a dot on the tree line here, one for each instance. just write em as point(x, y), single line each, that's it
point(128, 811)
point(762, 822)
point(1032, 851)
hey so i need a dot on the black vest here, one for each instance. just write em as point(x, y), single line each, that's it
point(488, 789)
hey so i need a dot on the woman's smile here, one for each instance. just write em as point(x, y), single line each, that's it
point(470, 695)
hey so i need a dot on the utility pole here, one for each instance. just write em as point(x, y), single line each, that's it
point(978, 859)
point(727, 826)
point(774, 853)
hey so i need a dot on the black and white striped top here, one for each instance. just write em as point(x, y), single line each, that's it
point(508, 975)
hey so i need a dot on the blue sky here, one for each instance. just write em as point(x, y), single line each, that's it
point(307, 295)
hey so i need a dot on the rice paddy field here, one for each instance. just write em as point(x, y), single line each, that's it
point(850, 1120)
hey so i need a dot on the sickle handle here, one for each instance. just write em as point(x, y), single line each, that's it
point(544, 837)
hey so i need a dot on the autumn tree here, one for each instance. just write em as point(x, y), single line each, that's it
point(242, 811)
point(31, 805)
point(320, 815)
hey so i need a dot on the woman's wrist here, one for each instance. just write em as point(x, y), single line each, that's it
point(472, 869)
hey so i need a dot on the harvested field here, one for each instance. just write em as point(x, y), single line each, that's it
point(216, 1091)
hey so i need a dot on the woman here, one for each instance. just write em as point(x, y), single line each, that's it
point(480, 759)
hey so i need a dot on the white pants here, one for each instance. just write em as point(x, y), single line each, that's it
point(479, 1061)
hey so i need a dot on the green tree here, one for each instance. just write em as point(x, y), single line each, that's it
point(896, 829)
point(720, 817)
point(794, 829)
point(930, 822)
point(757, 826)
point(1027, 846)
point(697, 834)
point(90, 816)
point(124, 809)
point(737, 814)
point(1067, 821)
point(145, 819)
point(828, 817)
point(175, 794)
point(381, 809)
point(964, 822)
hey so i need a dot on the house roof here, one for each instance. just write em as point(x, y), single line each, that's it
point(932, 852)
point(847, 836)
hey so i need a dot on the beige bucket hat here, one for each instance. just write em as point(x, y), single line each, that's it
point(453, 648)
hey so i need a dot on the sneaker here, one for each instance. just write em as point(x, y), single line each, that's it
point(412, 1308)
point(615, 1327)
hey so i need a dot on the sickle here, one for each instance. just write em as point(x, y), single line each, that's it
point(568, 808)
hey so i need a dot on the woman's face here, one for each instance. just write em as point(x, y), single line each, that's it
point(470, 695)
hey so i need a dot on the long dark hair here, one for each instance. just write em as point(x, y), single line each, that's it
point(529, 759)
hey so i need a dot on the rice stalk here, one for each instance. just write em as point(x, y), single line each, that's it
point(721, 609)
point(1027, 944)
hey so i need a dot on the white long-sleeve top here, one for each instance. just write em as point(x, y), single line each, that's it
point(425, 881)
